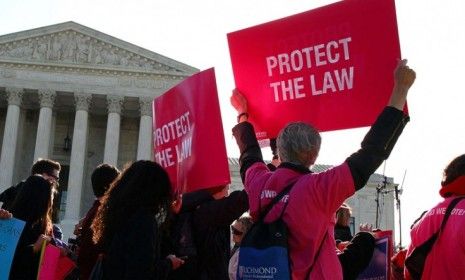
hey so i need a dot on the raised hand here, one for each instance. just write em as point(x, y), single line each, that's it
point(238, 101)
point(4, 215)
point(403, 80)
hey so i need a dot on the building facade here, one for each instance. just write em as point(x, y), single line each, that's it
point(80, 97)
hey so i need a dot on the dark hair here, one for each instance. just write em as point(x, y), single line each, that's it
point(33, 203)
point(102, 177)
point(455, 169)
point(341, 214)
point(45, 166)
point(144, 185)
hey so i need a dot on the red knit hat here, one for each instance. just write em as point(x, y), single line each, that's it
point(454, 188)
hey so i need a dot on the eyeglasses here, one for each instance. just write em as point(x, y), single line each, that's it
point(235, 231)
point(54, 177)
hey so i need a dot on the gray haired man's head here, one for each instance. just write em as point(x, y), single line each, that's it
point(298, 143)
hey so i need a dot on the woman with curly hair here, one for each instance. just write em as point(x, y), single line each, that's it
point(34, 206)
point(127, 224)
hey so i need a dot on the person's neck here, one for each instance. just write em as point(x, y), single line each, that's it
point(295, 166)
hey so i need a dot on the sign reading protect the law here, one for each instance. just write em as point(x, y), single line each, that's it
point(188, 134)
point(331, 67)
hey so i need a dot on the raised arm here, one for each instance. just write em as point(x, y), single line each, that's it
point(383, 134)
point(245, 135)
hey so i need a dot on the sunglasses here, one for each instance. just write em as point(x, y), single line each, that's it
point(235, 231)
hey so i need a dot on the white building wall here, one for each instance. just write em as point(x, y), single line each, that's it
point(94, 157)
point(2, 124)
point(128, 140)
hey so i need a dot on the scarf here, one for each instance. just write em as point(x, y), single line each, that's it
point(456, 187)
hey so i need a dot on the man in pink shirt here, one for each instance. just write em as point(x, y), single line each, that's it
point(314, 198)
point(446, 260)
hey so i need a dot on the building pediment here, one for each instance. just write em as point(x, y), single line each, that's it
point(73, 45)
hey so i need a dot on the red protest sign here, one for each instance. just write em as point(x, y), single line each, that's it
point(331, 67)
point(188, 134)
point(52, 265)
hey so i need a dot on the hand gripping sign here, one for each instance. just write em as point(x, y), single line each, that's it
point(331, 67)
point(188, 134)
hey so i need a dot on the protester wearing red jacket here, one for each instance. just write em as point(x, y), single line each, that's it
point(446, 259)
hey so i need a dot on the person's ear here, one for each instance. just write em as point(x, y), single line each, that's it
point(312, 156)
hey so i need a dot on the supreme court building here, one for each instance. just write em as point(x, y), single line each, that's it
point(78, 96)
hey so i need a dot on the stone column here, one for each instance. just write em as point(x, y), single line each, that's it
point(113, 128)
point(10, 135)
point(144, 147)
point(78, 158)
point(44, 128)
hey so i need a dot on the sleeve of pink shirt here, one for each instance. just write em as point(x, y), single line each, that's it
point(329, 189)
point(255, 179)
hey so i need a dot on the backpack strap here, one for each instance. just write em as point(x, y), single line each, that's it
point(449, 209)
point(317, 255)
point(275, 200)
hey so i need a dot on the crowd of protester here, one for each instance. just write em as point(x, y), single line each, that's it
point(138, 228)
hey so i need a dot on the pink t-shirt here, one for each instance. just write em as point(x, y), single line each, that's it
point(309, 215)
point(447, 257)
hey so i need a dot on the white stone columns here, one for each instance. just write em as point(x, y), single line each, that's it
point(7, 159)
point(144, 147)
point(113, 128)
point(78, 158)
point(44, 128)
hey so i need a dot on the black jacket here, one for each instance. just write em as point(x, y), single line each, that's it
point(9, 195)
point(134, 252)
point(342, 233)
point(211, 223)
point(25, 262)
point(181, 231)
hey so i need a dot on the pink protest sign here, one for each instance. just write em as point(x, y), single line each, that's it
point(54, 266)
point(331, 67)
point(188, 134)
point(64, 267)
point(49, 261)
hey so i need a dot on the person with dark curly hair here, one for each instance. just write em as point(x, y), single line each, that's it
point(447, 256)
point(127, 224)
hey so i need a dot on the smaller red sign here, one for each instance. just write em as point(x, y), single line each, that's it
point(188, 134)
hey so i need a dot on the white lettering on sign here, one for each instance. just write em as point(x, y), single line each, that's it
point(331, 81)
point(181, 127)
